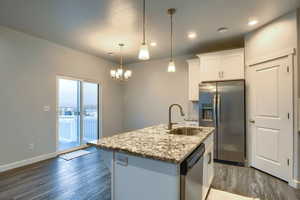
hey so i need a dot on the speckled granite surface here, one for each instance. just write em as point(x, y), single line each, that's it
point(155, 142)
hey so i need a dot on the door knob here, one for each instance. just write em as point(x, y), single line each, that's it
point(252, 121)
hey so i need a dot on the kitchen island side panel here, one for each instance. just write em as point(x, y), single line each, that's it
point(137, 178)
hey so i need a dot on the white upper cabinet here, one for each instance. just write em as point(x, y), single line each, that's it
point(194, 79)
point(216, 66)
point(210, 67)
point(223, 65)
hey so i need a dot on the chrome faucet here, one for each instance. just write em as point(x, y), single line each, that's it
point(170, 124)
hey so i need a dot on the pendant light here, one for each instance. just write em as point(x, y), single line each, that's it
point(171, 66)
point(144, 50)
point(119, 74)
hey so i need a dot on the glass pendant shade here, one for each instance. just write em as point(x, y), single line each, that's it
point(120, 72)
point(127, 74)
point(171, 67)
point(113, 73)
point(144, 52)
point(118, 76)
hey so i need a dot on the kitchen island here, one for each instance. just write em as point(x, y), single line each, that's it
point(145, 164)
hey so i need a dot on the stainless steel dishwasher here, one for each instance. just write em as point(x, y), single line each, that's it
point(191, 175)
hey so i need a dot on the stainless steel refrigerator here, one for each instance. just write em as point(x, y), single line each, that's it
point(222, 105)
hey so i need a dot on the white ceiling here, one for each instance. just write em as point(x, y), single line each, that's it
point(97, 26)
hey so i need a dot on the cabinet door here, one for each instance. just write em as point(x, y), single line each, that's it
point(194, 79)
point(208, 168)
point(210, 67)
point(210, 164)
point(232, 65)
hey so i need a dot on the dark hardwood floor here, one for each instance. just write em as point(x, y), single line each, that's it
point(86, 178)
point(252, 183)
point(56, 179)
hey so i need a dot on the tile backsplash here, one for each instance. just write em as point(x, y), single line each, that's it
point(192, 111)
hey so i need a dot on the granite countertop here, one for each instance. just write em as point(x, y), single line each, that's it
point(155, 142)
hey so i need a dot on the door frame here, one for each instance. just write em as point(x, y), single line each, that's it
point(100, 108)
point(290, 54)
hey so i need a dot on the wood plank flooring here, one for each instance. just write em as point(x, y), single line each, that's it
point(56, 179)
point(252, 183)
point(86, 178)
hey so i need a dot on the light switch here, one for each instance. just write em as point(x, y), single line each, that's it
point(46, 108)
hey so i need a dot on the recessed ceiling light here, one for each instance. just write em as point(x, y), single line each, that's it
point(252, 22)
point(222, 29)
point(192, 35)
point(153, 44)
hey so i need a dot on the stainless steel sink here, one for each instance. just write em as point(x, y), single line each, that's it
point(185, 131)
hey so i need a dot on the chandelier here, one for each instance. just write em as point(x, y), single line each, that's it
point(120, 74)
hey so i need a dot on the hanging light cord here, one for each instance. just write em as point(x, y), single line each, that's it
point(171, 57)
point(144, 22)
point(121, 60)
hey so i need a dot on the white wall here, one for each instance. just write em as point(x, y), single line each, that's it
point(298, 125)
point(152, 89)
point(278, 35)
point(273, 37)
point(28, 69)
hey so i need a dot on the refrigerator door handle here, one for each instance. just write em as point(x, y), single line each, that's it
point(215, 109)
point(219, 109)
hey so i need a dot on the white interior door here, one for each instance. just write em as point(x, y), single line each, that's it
point(271, 120)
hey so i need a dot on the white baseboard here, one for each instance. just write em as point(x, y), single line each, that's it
point(22, 163)
point(295, 184)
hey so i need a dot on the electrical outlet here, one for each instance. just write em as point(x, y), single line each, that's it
point(31, 147)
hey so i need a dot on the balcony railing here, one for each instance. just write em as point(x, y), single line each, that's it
point(69, 126)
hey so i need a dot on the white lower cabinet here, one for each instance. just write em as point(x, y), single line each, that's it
point(145, 179)
point(208, 166)
point(208, 171)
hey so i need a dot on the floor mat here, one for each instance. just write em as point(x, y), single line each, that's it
point(75, 154)
point(221, 195)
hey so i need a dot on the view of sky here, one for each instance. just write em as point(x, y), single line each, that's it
point(68, 93)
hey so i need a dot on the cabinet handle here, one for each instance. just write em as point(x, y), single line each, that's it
point(221, 74)
point(209, 158)
point(252, 121)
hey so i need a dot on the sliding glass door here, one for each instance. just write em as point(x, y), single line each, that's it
point(77, 113)
point(90, 111)
point(69, 114)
